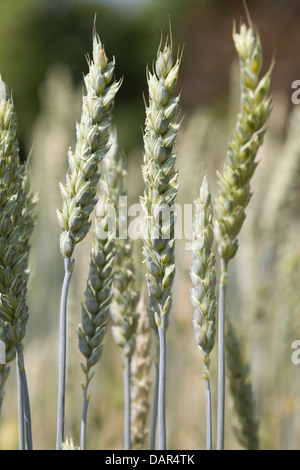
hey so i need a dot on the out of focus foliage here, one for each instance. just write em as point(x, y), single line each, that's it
point(35, 34)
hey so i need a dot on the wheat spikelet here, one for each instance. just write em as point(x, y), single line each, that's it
point(69, 445)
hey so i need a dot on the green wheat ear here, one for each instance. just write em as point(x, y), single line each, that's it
point(161, 187)
point(92, 144)
point(95, 310)
point(124, 296)
point(16, 224)
point(79, 193)
point(234, 182)
point(161, 181)
point(203, 276)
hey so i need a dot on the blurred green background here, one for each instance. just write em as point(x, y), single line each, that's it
point(43, 48)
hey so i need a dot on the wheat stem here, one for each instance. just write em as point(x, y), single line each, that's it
point(208, 410)
point(221, 357)
point(62, 355)
point(127, 403)
point(155, 398)
point(162, 390)
point(84, 415)
point(20, 413)
point(25, 396)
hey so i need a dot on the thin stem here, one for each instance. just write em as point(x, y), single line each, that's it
point(221, 357)
point(155, 404)
point(84, 417)
point(25, 395)
point(162, 389)
point(208, 411)
point(127, 403)
point(20, 411)
point(62, 356)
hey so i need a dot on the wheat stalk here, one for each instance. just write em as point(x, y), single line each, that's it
point(203, 276)
point(79, 192)
point(161, 186)
point(234, 182)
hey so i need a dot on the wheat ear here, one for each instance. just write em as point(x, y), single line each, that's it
point(161, 186)
point(95, 311)
point(124, 296)
point(203, 276)
point(79, 192)
point(234, 183)
point(28, 222)
point(241, 391)
point(14, 250)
